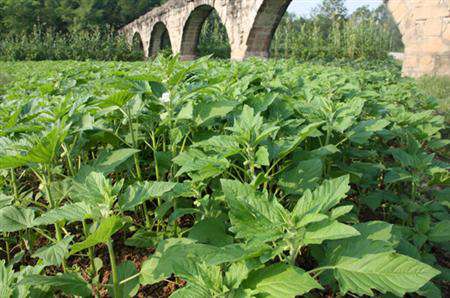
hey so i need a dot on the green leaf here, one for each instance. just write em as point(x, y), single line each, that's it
point(316, 233)
point(5, 200)
point(144, 239)
point(323, 198)
point(440, 232)
point(152, 271)
point(365, 129)
point(140, 192)
point(95, 189)
point(54, 254)
point(304, 175)
point(12, 162)
point(68, 283)
point(281, 280)
point(200, 166)
point(13, 219)
point(384, 272)
point(108, 161)
point(6, 280)
point(223, 144)
point(213, 109)
point(70, 213)
point(130, 288)
point(158, 88)
point(340, 211)
point(108, 227)
point(186, 112)
point(211, 231)
point(253, 214)
point(262, 156)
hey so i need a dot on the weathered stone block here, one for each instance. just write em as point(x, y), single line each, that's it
point(433, 27)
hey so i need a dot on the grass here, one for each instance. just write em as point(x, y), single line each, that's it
point(438, 87)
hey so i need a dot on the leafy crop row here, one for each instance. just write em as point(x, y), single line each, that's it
point(245, 179)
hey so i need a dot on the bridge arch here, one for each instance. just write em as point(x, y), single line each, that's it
point(137, 45)
point(265, 22)
point(159, 39)
point(192, 28)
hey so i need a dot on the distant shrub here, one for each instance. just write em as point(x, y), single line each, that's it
point(91, 44)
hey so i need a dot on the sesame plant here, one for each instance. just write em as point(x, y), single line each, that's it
point(220, 179)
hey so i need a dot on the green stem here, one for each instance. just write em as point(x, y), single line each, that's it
point(115, 276)
point(134, 141)
point(90, 249)
point(154, 155)
point(14, 185)
point(137, 165)
point(47, 182)
point(7, 248)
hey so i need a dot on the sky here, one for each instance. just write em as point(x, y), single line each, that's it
point(304, 7)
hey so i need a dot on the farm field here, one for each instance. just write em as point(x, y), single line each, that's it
point(221, 179)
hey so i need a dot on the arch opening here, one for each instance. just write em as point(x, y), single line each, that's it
point(137, 47)
point(204, 34)
point(160, 40)
point(263, 30)
point(328, 31)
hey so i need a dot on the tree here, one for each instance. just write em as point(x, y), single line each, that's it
point(332, 9)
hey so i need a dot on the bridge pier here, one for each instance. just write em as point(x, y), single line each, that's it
point(251, 24)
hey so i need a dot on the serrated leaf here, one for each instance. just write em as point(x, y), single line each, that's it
point(54, 254)
point(281, 280)
point(13, 219)
point(323, 198)
point(384, 272)
point(253, 214)
point(5, 200)
point(262, 156)
point(140, 192)
point(200, 166)
point(316, 233)
point(223, 144)
point(6, 280)
point(440, 232)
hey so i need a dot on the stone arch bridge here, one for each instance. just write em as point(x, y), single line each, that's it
point(251, 24)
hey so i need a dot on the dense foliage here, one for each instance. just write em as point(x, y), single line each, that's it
point(329, 33)
point(234, 179)
point(22, 16)
point(88, 44)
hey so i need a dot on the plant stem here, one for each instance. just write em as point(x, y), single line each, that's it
point(137, 166)
point(115, 276)
point(154, 155)
point(90, 249)
point(7, 248)
point(14, 185)
point(47, 182)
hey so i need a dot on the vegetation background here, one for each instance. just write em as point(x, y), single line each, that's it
point(87, 30)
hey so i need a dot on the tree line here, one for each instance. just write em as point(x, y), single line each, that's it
point(87, 29)
point(22, 16)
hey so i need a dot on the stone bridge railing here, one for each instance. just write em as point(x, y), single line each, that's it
point(251, 24)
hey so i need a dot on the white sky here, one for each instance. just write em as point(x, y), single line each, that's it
point(304, 7)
